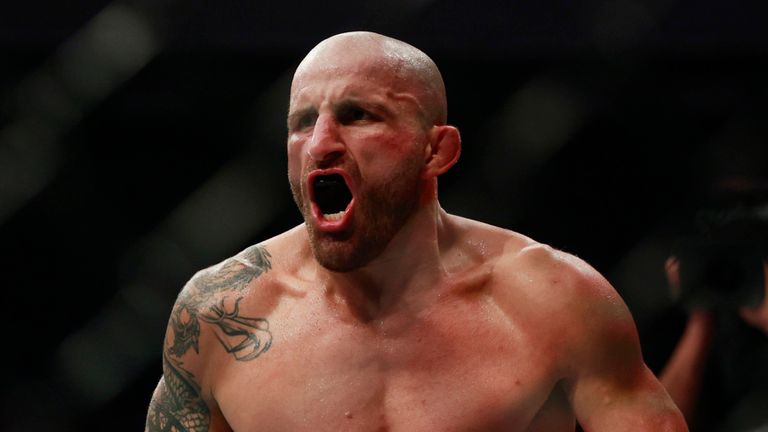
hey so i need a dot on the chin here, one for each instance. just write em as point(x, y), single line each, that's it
point(345, 253)
point(339, 255)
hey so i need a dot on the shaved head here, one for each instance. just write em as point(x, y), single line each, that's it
point(410, 68)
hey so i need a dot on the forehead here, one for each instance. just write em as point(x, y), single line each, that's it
point(333, 85)
point(350, 72)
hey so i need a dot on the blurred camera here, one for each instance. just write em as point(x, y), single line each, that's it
point(721, 264)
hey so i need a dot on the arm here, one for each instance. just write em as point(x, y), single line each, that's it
point(183, 399)
point(609, 385)
point(757, 316)
point(682, 374)
point(178, 403)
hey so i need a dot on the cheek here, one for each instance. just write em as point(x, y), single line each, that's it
point(294, 153)
point(384, 150)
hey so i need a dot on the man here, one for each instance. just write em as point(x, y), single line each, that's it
point(382, 312)
point(730, 384)
point(718, 271)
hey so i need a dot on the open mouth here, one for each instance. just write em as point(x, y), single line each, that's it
point(332, 196)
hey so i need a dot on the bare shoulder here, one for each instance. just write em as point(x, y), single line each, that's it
point(213, 297)
point(568, 299)
point(255, 274)
point(246, 288)
point(232, 275)
point(562, 306)
point(524, 266)
point(553, 273)
point(221, 314)
point(577, 315)
point(556, 298)
point(479, 242)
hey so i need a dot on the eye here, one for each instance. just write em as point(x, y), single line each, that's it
point(307, 120)
point(352, 114)
point(302, 120)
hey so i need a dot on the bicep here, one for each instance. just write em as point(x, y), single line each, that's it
point(630, 403)
point(206, 314)
point(610, 386)
point(177, 403)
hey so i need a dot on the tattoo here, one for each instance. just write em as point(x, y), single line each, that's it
point(178, 404)
point(244, 337)
point(186, 332)
point(235, 273)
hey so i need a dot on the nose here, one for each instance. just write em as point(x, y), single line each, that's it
point(326, 144)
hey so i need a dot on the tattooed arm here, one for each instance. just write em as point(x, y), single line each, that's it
point(210, 300)
point(178, 403)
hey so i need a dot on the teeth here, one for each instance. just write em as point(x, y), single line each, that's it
point(334, 216)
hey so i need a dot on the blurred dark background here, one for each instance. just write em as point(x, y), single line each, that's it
point(143, 140)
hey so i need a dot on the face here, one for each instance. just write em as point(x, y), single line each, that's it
point(356, 142)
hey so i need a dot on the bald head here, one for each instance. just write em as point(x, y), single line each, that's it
point(407, 66)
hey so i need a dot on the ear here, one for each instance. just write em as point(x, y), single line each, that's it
point(442, 151)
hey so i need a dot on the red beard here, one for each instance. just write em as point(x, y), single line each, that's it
point(381, 210)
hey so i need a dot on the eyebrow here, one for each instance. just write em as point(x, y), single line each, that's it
point(351, 102)
point(294, 116)
point(346, 103)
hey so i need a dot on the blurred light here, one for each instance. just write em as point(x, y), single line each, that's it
point(98, 361)
point(211, 224)
point(229, 208)
point(115, 45)
point(535, 122)
point(109, 50)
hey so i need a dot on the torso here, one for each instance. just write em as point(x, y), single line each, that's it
point(460, 361)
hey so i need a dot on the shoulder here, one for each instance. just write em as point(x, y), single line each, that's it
point(221, 314)
point(231, 274)
point(253, 267)
point(518, 257)
point(245, 284)
point(479, 242)
point(541, 284)
point(207, 297)
point(562, 273)
point(571, 300)
point(550, 271)
point(572, 313)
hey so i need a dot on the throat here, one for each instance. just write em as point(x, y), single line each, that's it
point(368, 300)
point(360, 304)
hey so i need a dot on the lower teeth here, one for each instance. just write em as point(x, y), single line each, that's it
point(334, 216)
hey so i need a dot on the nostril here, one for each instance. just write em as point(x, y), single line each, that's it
point(325, 156)
point(326, 150)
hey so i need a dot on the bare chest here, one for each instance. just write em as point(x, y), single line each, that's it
point(458, 367)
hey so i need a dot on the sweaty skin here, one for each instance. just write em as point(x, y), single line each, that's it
point(393, 315)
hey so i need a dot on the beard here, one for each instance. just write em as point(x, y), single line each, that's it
point(380, 212)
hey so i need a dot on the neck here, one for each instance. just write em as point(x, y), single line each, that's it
point(408, 268)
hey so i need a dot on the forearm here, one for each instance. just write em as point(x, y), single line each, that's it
point(644, 408)
point(669, 421)
point(682, 374)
